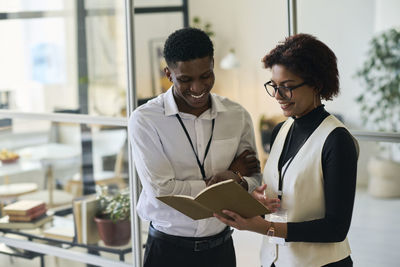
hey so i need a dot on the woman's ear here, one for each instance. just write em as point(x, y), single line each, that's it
point(317, 96)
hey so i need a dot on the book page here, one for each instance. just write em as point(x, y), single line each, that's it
point(212, 186)
point(230, 195)
point(224, 195)
point(187, 206)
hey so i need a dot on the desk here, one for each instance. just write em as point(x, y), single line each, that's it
point(18, 167)
point(50, 155)
point(51, 152)
point(8, 192)
point(18, 189)
point(37, 236)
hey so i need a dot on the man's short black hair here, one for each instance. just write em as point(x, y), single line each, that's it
point(187, 44)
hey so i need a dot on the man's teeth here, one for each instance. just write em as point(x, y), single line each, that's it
point(198, 96)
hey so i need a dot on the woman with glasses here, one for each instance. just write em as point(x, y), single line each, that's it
point(312, 165)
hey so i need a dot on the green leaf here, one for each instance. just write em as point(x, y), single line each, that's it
point(380, 76)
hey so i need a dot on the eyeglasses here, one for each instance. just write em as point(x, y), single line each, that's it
point(284, 91)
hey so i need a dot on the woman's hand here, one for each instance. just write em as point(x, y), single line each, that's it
point(255, 224)
point(246, 163)
point(271, 203)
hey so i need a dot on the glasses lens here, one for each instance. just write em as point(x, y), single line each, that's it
point(270, 89)
point(284, 92)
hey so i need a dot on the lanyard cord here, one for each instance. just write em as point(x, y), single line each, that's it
point(282, 175)
point(201, 166)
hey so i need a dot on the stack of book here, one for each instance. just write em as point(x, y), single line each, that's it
point(25, 214)
point(25, 210)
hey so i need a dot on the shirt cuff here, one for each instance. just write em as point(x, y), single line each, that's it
point(196, 186)
point(251, 182)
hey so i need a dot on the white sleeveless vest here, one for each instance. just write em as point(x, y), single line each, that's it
point(303, 198)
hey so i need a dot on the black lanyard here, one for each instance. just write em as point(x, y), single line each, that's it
point(201, 166)
point(282, 175)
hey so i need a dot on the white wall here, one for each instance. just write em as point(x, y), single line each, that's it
point(387, 14)
point(346, 27)
point(150, 27)
point(252, 28)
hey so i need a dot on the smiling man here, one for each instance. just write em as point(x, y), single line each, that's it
point(183, 141)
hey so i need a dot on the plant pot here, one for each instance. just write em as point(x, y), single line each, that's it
point(114, 234)
point(384, 180)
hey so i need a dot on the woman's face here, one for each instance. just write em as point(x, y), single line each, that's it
point(304, 98)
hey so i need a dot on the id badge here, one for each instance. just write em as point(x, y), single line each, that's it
point(280, 216)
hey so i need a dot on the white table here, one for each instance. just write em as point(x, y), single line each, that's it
point(50, 155)
point(18, 189)
point(18, 167)
point(51, 152)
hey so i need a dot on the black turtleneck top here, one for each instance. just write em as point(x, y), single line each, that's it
point(339, 166)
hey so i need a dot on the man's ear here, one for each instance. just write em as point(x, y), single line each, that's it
point(168, 73)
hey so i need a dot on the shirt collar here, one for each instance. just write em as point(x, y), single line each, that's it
point(171, 108)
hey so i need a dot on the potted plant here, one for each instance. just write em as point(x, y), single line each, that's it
point(380, 109)
point(113, 219)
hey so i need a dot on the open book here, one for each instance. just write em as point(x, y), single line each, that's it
point(224, 195)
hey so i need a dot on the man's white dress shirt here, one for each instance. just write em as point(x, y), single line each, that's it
point(166, 163)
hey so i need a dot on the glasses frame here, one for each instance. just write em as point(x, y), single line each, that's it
point(279, 88)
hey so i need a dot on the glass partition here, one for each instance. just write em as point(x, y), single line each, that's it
point(61, 165)
point(30, 5)
point(374, 224)
point(73, 60)
point(348, 27)
point(62, 60)
point(350, 38)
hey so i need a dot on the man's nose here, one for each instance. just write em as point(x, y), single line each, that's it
point(197, 87)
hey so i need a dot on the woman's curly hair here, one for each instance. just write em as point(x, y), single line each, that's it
point(307, 57)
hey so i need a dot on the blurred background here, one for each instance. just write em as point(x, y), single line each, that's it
point(65, 96)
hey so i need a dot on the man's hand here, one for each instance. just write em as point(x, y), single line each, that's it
point(271, 203)
point(246, 163)
point(222, 176)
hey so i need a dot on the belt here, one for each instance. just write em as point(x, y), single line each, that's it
point(197, 244)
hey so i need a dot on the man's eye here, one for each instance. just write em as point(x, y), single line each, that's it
point(184, 80)
point(206, 76)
